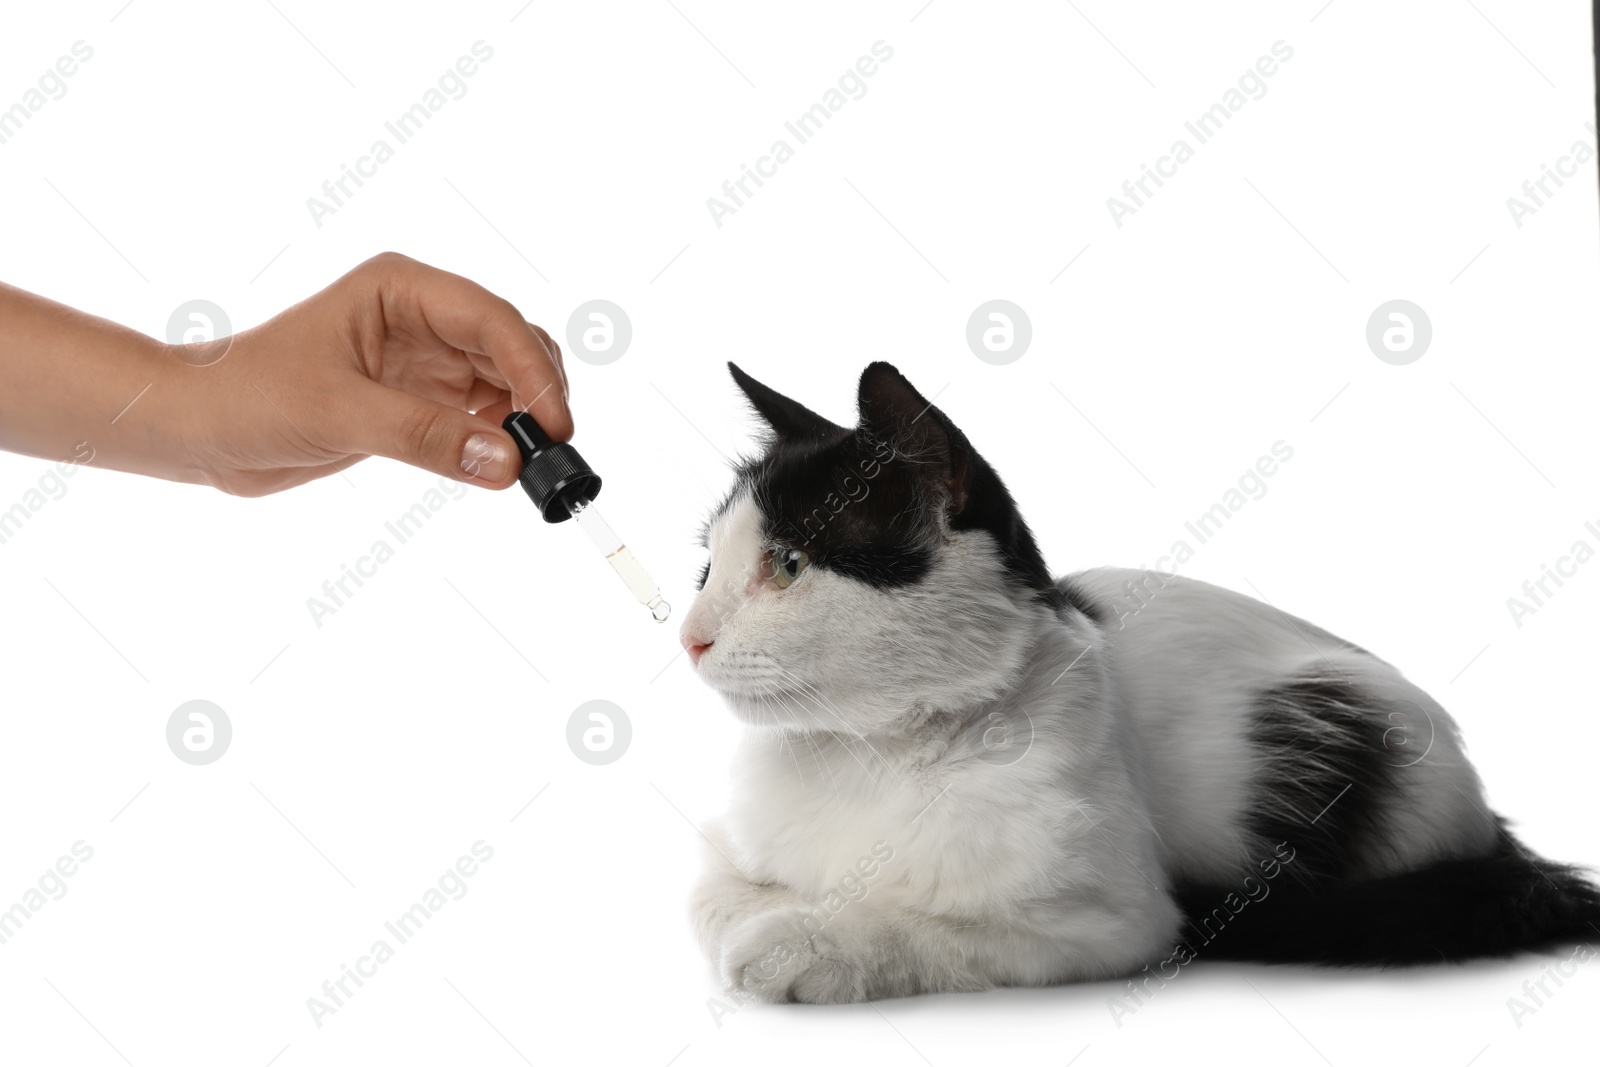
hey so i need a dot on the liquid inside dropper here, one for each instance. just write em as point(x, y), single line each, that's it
point(622, 561)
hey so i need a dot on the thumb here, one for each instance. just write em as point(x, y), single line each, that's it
point(433, 436)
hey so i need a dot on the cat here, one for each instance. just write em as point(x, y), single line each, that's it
point(959, 772)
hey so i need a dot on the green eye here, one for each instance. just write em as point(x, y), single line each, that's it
point(787, 563)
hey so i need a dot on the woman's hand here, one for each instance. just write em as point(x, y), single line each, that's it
point(390, 360)
point(394, 359)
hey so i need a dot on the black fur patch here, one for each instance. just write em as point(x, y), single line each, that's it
point(991, 509)
point(1323, 774)
point(1074, 597)
point(866, 502)
point(1324, 777)
point(849, 503)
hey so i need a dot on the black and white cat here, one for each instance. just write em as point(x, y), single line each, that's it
point(960, 772)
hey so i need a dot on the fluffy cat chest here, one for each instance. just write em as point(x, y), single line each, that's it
point(922, 828)
point(809, 837)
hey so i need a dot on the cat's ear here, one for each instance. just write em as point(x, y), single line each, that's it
point(893, 412)
point(789, 419)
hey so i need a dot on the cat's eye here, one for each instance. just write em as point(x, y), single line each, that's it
point(787, 563)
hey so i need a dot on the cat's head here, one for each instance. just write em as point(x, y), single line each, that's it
point(860, 575)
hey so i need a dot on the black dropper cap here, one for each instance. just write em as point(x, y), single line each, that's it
point(555, 477)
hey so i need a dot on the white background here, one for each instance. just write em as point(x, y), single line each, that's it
point(368, 754)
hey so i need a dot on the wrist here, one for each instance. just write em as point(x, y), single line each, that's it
point(151, 415)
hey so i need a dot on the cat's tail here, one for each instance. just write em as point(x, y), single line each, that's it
point(1457, 909)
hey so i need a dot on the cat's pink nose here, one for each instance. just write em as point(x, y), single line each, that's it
point(698, 632)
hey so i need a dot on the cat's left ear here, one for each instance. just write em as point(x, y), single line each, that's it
point(893, 412)
point(789, 419)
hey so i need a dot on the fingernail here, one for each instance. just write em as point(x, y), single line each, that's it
point(486, 457)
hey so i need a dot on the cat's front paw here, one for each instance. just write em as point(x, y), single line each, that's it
point(775, 957)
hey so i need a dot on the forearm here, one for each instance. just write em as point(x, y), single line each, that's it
point(73, 385)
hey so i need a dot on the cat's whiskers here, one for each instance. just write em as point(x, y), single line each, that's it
point(822, 757)
point(818, 753)
point(768, 704)
point(793, 702)
point(785, 746)
point(828, 705)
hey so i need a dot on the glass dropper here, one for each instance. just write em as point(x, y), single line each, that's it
point(563, 485)
point(622, 560)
